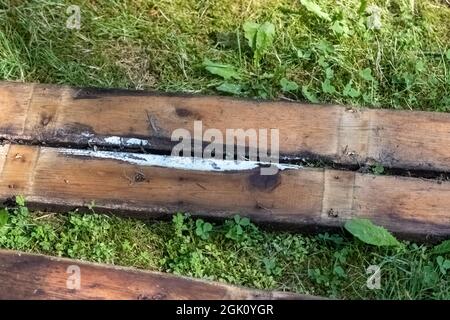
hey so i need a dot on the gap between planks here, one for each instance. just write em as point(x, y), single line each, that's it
point(63, 115)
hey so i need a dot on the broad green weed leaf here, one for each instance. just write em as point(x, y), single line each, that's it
point(442, 248)
point(230, 88)
point(367, 232)
point(3, 217)
point(448, 54)
point(260, 38)
point(288, 86)
point(316, 9)
point(250, 30)
point(223, 70)
point(264, 37)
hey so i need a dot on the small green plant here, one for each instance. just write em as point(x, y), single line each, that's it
point(442, 248)
point(444, 264)
point(311, 96)
point(367, 232)
point(377, 169)
point(236, 227)
point(260, 39)
point(203, 229)
point(366, 74)
point(288, 86)
point(350, 91)
point(271, 267)
point(20, 201)
point(179, 223)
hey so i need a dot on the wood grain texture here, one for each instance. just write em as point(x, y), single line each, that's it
point(78, 117)
point(296, 197)
point(27, 276)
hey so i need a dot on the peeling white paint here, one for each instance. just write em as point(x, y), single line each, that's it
point(135, 142)
point(127, 142)
point(87, 134)
point(113, 140)
point(174, 162)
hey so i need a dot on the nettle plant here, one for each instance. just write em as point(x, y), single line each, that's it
point(260, 40)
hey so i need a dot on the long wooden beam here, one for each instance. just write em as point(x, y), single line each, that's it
point(27, 276)
point(155, 186)
point(78, 117)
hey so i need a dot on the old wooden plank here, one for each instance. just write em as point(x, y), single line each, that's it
point(31, 276)
point(156, 186)
point(78, 117)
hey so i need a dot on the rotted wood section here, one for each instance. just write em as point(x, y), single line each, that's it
point(78, 117)
point(156, 186)
point(29, 276)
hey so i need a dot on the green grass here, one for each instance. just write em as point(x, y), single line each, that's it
point(235, 252)
point(162, 45)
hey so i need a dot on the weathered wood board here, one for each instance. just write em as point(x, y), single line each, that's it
point(27, 276)
point(156, 186)
point(78, 117)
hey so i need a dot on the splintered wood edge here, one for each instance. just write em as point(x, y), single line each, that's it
point(63, 115)
point(34, 276)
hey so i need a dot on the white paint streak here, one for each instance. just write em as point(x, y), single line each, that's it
point(127, 142)
point(115, 140)
point(183, 163)
point(87, 134)
point(135, 142)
